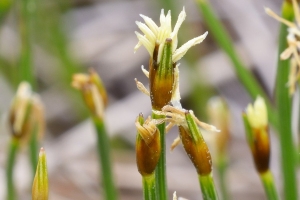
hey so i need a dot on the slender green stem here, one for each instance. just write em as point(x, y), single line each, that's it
point(103, 147)
point(298, 131)
point(269, 186)
point(160, 171)
point(208, 187)
point(27, 10)
point(149, 187)
point(34, 149)
point(246, 78)
point(283, 100)
point(222, 168)
point(13, 149)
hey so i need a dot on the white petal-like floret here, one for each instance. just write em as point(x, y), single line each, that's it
point(179, 53)
point(156, 35)
point(257, 114)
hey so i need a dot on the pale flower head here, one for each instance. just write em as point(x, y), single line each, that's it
point(257, 114)
point(154, 37)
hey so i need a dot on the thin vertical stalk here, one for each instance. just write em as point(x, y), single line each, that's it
point(221, 168)
point(13, 149)
point(27, 12)
point(269, 186)
point(246, 78)
point(103, 147)
point(149, 187)
point(160, 172)
point(283, 100)
point(208, 187)
point(34, 149)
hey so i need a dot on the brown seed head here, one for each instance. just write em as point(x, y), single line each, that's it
point(197, 151)
point(161, 77)
point(261, 149)
point(147, 151)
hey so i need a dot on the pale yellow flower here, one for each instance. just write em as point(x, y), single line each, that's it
point(257, 114)
point(155, 36)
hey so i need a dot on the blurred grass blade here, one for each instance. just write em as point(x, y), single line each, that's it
point(222, 38)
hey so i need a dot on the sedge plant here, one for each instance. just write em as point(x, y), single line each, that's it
point(25, 119)
point(148, 150)
point(161, 43)
point(95, 98)
point(257, 132)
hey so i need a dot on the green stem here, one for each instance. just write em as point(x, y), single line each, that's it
point(208, 187)
point(149, 187)
point(283, 100)
point(103, 147)
point(13, 149)
point(269, 186)
point(27, 10)
point(246, 78)
point(160, 171)
point(222, 167)
point(34, 149)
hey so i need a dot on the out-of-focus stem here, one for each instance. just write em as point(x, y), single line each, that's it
point(27, 13)
point(208, 187)
point(283, 100)
point(269, 186)
point(149, 187)
point(160, 172)
point(13, 149)
point(246, 78)
point(222, 168)
point(34, 148)
point(103, 147)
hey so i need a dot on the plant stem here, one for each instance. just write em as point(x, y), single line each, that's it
point(103, 147)
point(149, 187)
point(246, 78)
point(208, 187)
point(13, 148)
point(34, 149)
point(283, 100)
point(27, 17)
point(269, 186)
point(222, 167)
point(160, 171)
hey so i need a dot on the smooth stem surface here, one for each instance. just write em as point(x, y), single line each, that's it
point(246, 78)
point(283, 100)
point(34, 149)
point(208, 187)
point(149, 187)
point(27, 10)
point(222, 168)
point(103, 147)
point(160, 171)
point(269, 185)
point(13, 149)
